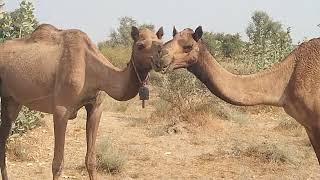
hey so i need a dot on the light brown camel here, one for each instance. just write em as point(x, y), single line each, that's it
point(58, 72)
point(293, 84)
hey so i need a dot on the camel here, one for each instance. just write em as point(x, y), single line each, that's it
point(293, 83)
point(58, 72)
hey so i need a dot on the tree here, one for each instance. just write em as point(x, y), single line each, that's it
point(148, 26)
point(211, 43)
point(223, 44)
point(19, 22)
point(122, 35)
point(268, 41)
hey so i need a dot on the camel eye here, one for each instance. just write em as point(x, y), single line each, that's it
point(187, 48)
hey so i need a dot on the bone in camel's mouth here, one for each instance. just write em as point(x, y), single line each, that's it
point(166, 68)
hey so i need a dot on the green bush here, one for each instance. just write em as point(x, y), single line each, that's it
point(27, 119)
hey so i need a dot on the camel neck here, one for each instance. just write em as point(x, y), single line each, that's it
point(120, 84)
point(265, 87)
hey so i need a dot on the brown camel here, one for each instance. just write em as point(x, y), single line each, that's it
point(293, 83)
point(58, 72)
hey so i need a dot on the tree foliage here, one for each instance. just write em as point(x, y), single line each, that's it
point(223, 44)
point(268, 41)
point(16, 24)
point(121, 36)
point(19, 22)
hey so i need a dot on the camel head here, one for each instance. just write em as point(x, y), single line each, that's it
point(145, 41)
point(180, 52)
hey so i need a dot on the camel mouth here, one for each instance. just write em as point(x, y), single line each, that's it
point(155, 66)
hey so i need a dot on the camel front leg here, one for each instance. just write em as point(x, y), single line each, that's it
point(60, 119)
point(314, 136)
point(94, 112)
point(9, 112)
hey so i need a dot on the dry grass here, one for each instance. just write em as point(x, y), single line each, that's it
point(108, 157)
point(17, 151)
point(270, 153)
point(254, 150)
point(290, 126)
point(265, 152)
point(113, 105)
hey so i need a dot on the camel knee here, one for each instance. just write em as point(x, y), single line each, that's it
point(91, 165)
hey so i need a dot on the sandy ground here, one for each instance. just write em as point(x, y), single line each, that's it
point(162, 151)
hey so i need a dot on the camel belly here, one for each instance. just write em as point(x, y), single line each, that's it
point(43, 105)
point(26, 92)
point(32, 86)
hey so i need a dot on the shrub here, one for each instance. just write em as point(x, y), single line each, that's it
point(270, 153)
point(108, 158)
point(17, 151)
point(118, 55)
point(27, 119)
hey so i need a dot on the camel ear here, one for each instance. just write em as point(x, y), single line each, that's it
point(197, 34)
point(160, 33)
point(134, 33)
point(174, 32)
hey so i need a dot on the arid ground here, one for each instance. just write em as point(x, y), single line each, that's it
point(264, 145)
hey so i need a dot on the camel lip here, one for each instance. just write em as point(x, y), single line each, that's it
point(156, 67)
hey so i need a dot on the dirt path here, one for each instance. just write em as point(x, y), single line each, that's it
point(161, 151)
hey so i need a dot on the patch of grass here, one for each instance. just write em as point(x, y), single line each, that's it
point(135, 122)
point(161, 107)
point(207, 157)
point(270, 153)
point(17, 151)
point(108, 158)
point(113, 105)
point(229, 112)
point(290, 125)
point(118, 55)
point(266, 152)
point(162, 130)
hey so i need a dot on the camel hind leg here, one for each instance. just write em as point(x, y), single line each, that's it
point(9, 112)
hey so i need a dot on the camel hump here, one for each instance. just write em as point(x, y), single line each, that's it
point(43, 27)
point(311, 46)
point(44, 32)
